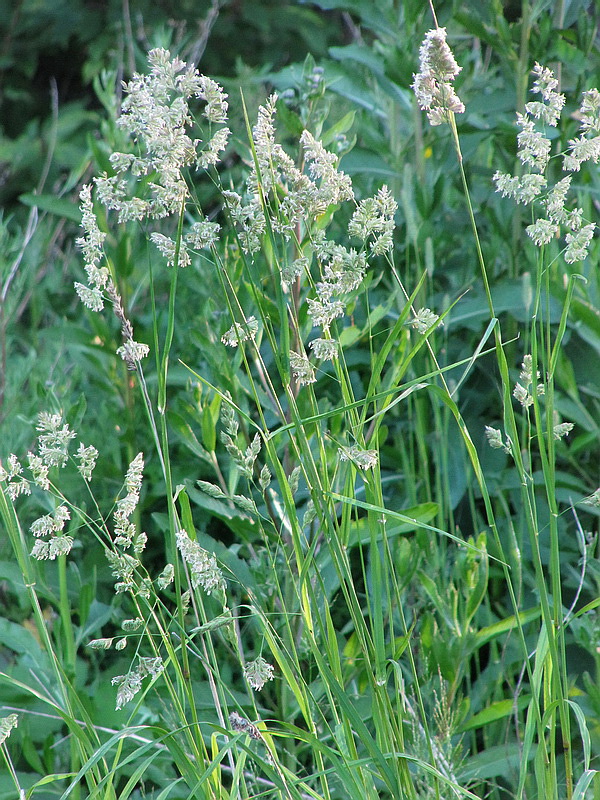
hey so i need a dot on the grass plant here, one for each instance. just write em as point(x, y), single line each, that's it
point(314, 575)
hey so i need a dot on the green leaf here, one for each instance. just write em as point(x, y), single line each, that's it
point(341, 126)
point(53, 205)
point(20, 639)
point(583, 784)
point(494, 712)
point(504, 625)
point(491, 762)
point(584, 732)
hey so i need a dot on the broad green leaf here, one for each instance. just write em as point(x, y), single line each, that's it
point(53, 205)
point(583, 784)
point(507, 624)
point(491, 762)
point(494, 712)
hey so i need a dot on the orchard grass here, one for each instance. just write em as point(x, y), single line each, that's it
point(281, 594)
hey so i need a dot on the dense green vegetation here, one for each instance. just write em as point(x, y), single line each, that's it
point(302, 500)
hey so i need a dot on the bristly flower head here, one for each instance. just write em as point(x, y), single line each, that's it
point(325, 349)
point(374, 217)
point(129, 685)
point(363, 459)
point(587, 146)
point(125, 533)
point(157, 116)
point(423, 320)
point(17, 484)
point(51, 525)
point(241, 724)
point(203, 565)
point(87, 457)
point(6, 726)
point(258, 672)
point(494, 437)
point(91, 244)
point(433, 83)
point(524, 391)
point(534, 152)
point(302, 368)
point(54, 438)
point(593, 499)
point(551, 106)
point(240, 332)
point(322, 165)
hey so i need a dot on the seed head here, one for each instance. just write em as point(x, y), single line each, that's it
point(433, 83)
point(258, 672)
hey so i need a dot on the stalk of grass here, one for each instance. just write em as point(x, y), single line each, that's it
point(67, 705)
point(551, 646)
point(548, 779)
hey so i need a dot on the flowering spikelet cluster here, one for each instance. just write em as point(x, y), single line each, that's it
point(433, 83)
point(245, 503)
point(125, 531)
point(248, 218)
point(129, 685)
point(562, 429)
point(343, 271)
point(294, 200)
point(241, 724)
point(16, 483)
point(258, 672)
point(301, 197)
point(244, 459)
point(523, 392)
point(126, 535)
point(593, 499)
point(301, 368)
point(39, 470)
point(130, 351)
point(534, 150)
point(335, 186)
point(123, 568)
point(204, 570)
point(87, 457)
point(6, 726)
point(363, 459)
point(423, 319)
point(174, 253)
point(166, 577)
point(374, 219)
point(101, 644)
point(100, 284)
point(240, 332)
point(51, 525)
point(586, 147)
point(91, 244)
point(202, 234)
point(54, 438)
point(53, 451)
point(494, 437)
point(534, 147)
point(156, 114)
point(324, 348)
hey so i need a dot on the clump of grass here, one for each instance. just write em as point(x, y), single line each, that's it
point(291, 663)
